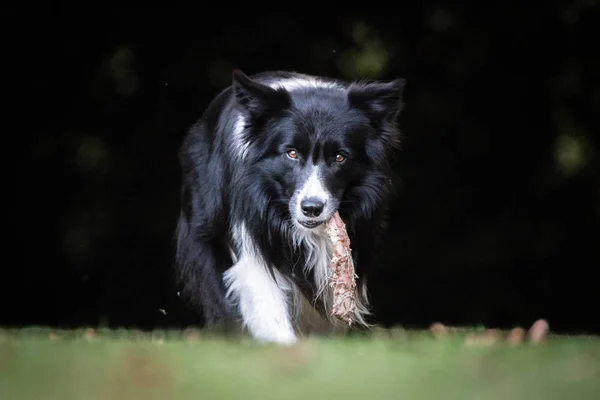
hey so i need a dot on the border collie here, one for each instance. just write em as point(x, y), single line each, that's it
point(273, 157)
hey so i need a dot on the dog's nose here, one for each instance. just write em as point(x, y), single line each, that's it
point(312, 207)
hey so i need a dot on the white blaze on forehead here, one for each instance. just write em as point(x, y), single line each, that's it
point(313, 188)
point(291, 84)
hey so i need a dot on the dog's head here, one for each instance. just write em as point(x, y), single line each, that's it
point(316, 142)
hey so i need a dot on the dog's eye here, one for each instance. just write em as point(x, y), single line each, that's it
point(340, 158)
point(293, 154)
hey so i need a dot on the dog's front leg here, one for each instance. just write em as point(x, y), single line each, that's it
point(263, 301)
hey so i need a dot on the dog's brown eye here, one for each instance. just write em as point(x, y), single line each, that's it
point(292, 154)
point(340, 158)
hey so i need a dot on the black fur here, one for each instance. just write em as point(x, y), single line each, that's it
point(221, 188)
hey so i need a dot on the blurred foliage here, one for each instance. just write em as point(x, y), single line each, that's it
point(496, 216)
point(395, 364)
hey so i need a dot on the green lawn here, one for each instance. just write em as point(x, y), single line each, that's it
point(44, 364)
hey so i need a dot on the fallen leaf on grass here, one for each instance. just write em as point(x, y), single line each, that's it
point(438, 329)
point(191, 335)
point(488, 338)
point(538, 331)
point(516, 336)
point(89, 334)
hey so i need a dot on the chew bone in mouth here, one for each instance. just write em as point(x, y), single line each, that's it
point(343, 280)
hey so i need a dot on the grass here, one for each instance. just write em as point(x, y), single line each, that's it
point(388, 364)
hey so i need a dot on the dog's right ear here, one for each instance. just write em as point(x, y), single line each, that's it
point(256, 98)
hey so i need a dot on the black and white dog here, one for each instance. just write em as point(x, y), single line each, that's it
point(273, 157)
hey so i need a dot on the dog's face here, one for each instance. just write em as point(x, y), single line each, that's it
point(314, 143)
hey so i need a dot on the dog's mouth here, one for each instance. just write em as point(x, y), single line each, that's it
point(310, 224)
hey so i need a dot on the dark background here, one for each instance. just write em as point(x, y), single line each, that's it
point(497, 210)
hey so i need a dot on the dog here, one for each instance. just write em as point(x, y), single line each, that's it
point(272, 158)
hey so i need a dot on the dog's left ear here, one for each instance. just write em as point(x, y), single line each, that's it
point(382, 101)
point(256, 98)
